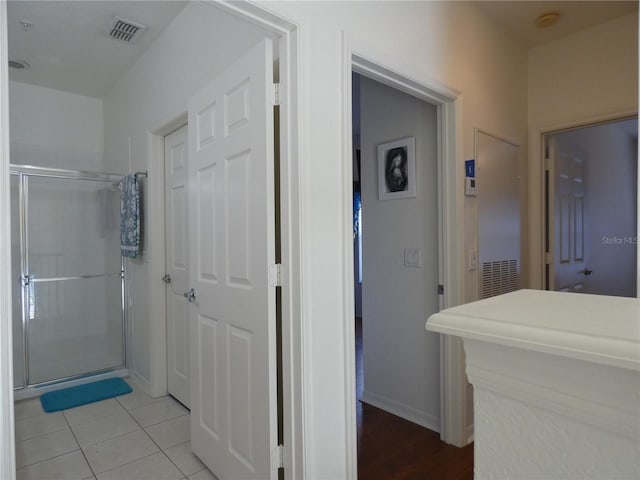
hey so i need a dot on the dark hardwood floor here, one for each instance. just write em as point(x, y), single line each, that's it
point(391, 448)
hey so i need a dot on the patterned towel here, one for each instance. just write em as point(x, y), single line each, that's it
point(129, 216)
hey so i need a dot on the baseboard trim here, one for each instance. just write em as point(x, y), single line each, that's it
point(141, 382)
point(432, 422)
point(470, 434)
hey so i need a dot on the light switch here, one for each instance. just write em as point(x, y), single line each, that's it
point(412, 257)
point(473, 260)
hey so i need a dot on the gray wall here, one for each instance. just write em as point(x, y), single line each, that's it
point(401, 359)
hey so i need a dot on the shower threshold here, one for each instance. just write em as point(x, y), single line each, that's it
point(37, 390)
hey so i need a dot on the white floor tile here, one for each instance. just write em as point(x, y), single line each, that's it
point(92, 411)
point(165, 409)
point(184, 458)
point(71, 466)
point(170, 433)
point(203, 475)
point(40, 425)
point(136, 399)
point(118, 451)
point(27, 409)
point(104, 429)
point(44, 447)
point(153, 467)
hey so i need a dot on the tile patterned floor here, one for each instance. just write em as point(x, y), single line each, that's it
point(129, 437)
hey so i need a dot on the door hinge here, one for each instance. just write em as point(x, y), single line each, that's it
point(440, 289)
point(275, 275)
point(547, 164)
point(277, 457)
point(548, 258)
point(276, 94)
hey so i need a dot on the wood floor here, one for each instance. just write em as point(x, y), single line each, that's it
point(391, 448)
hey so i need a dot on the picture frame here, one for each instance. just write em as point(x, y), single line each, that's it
point(397, 169)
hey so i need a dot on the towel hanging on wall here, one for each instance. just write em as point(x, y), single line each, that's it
point(129, 216)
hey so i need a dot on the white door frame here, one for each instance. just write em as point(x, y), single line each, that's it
point(7, 444)
point(453, 428)
point(537, 191)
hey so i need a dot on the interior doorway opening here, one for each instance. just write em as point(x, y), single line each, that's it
point(590, 208)
point(396, 271)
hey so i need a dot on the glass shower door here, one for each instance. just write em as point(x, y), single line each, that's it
point(73, 291)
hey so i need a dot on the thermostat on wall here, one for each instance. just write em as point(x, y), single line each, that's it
point(470, 178)
point(470, 186)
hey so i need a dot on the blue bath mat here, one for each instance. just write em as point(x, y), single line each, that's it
point(83, 394)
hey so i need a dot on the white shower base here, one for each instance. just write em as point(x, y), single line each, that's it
point(30, 392)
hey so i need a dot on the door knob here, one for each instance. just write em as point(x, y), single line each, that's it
point(166, 278)
point(190, 295)
point(586, 272)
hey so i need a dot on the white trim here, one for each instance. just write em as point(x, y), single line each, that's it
point(536, 188)
point(7, 444)
point(453, 428)
point(477, 130)
point(470, 434)
point(402, 410)
point(348, 306)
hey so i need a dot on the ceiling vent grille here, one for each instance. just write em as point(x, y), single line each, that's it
point(125, 30)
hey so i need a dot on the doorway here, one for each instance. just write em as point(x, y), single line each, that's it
point(399, 255)
point(176, 278)
point(591, 208)
point(452, 421)
point(131, 154)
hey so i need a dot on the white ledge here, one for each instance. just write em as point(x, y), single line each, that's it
point(593, 328)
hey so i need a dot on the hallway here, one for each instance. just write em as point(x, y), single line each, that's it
point(391, 448)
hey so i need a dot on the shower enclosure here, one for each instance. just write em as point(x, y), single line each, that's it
point(68, 309)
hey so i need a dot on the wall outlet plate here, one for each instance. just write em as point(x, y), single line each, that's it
point(412, 257)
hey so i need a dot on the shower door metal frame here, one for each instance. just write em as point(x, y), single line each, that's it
point(23, 172)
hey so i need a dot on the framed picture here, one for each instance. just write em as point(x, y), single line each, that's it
point(397, 169)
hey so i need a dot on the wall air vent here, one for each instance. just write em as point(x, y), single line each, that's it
point(499, 277)
point(125, 30)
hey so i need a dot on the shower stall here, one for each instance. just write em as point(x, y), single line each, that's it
point(68, 295)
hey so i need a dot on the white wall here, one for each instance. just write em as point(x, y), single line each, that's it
point(590, 75)
point(451, 43)
point(401, 359)
point(50, 128)
point(611, 157)
point(154, 92)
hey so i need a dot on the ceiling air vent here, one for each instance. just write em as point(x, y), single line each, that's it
point(125, 30)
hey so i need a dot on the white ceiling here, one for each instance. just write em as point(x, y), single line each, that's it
point(518, 16)
point(68, 47)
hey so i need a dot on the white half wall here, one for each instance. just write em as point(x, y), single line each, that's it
point(401, 359)
point(199, 43)
point(51, 128)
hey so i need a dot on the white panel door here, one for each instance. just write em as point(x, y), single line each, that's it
point(567, 203)
point(177, 264)
point(231, 186)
